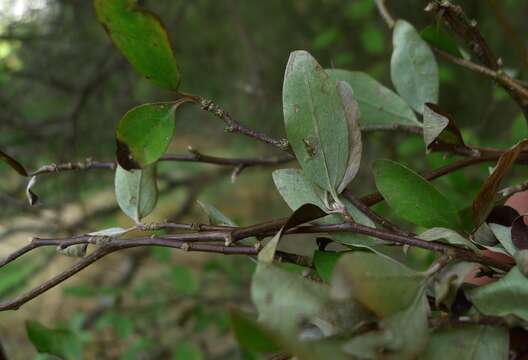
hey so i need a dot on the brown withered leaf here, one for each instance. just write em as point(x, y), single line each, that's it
point(439, 129)
point(502, 215)
point(485, 198)
point(519, 233)
point(13, 163)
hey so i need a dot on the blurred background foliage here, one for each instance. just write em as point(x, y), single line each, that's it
point(63, 87)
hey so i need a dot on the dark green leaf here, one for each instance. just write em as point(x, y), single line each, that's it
point(136, 191)
point(469, 342)
point(144, 134)
point(315, 115)
point(142, 38)
point(414, 71)
point(380, 107)
point(61, 343)
point(252, 335)
point(325, 263)
point(412, 197)
point(15, 165)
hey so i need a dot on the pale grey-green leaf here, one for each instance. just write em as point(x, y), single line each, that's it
point(352, 114)
point(136, 191)
point(315, 121)
point(380, 107)
point(450, 236)
point(414, 71)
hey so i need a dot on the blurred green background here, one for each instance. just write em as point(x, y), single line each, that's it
point(63, 87)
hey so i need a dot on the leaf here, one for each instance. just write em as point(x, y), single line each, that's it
point(31, 196)
point(142, 39)
point(504, 297)
point(449, 279)
point(450, 236)
point(216, 217)
point(305, 213)
point(412, 197)
point(439, 129)
point(351, 109)
point(502, 215)
point(296, 190)
point(136, 191)
point(414, 72)
point(403, 335)
point(468, 342)
point(487, 194)
point(504, 235)
point(144, 134)
point(325, 263)
point(258, 337)
point(373, 280)
point(15, 165)
point(251, 335)
point(316, 121)
point(112, 232)
point(77, 250)
point(58, 342)
point(439, 38)
point(380, 107)
point(519, 234)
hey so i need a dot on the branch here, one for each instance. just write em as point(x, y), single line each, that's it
point(193, 156)
point(234, 126)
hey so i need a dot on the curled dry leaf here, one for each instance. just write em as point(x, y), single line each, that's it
point(15, 165)
point(439, 129)
point(487, 194)
point(519, 233)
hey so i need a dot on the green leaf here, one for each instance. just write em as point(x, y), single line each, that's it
point(437, 37)
point(450, 236)
point(414, 71)
point(380, 107)
point(412, 197)
point(136, 191)
point(504, 235)
point(469, 342)
point(403, 335)
point(504, 297)
point(62, 343)
point(373, 280)
point(216, 217)
point(283, 299)
point(325, 263)
point(316, 119)
point(143, 40)
point(252, 335)
point(144, 134)
point(15, 165)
